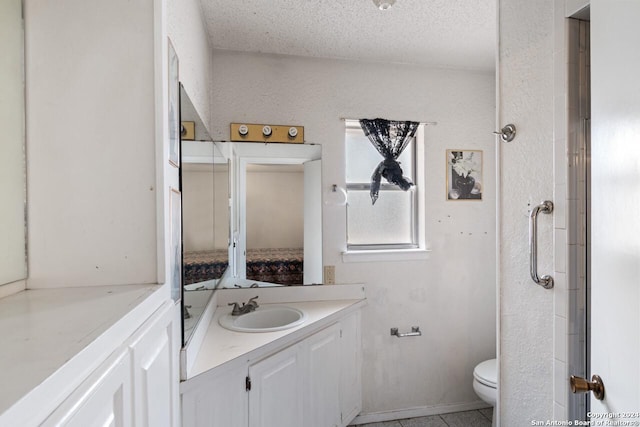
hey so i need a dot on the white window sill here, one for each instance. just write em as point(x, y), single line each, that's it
point(386, 255)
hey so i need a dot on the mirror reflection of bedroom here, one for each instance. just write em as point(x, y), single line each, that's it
point(275, 223)
point(278, 227)
point(205, 229)
point(205, 234)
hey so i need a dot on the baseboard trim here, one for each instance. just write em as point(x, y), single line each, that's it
point(12, 288)
point(420, 411)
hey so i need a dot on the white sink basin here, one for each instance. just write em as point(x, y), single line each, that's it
point(264, 319)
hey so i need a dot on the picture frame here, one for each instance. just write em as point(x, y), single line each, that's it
point(175, 221)
point(174, 107)
point(464, 174)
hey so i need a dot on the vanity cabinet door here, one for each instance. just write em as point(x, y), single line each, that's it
point(276, 396)
point(350, 368)
point(155, 376)
point(218, 400)
point(315, 382)
point(103, 399)
point(134, 387)
point(299, 386)
point(322, 378)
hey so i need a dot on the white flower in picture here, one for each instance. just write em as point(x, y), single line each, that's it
point(463, 163)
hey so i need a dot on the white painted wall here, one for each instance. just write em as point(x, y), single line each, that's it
point(205, 211)
point(188, 35)
point(92, 180)
point(197, 210)
point(275, 208)
point(451, 295)
point(526, 86)
point(91, 143)
point(12, 174)
point(186, 31)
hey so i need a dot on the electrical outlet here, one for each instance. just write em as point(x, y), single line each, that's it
point(329, 274)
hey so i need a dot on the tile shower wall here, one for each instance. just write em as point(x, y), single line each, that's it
point(571, 126)
point(578, 116)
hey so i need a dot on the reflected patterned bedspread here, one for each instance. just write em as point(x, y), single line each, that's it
point(201, 266)
point(283, 265)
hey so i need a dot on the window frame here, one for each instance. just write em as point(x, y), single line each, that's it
point(416, 209)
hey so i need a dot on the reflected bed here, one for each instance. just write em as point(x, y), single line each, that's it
point(283, 265)
point(201, 266)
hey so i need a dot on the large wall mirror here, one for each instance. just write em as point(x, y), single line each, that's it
point(205, 215)
point(277, 219)
point(13, 266)
point(251, 215)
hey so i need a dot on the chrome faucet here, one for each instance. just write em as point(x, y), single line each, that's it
point(248, 307)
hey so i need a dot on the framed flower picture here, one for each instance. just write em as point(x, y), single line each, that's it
point(464, 174)
point(174, 108)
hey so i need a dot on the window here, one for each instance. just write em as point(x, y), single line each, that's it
point(392, 223)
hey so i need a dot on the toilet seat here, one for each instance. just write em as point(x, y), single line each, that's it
point(486, 373)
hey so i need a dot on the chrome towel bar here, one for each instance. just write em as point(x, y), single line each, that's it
point(545, 207)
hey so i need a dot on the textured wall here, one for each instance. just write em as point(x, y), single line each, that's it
point(450, 295)
point(526, 77)
point(189, 38)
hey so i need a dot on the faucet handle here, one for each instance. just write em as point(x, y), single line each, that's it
point(236, 308)
point(253, 301)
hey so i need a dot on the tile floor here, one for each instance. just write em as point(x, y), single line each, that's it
point(479, 418)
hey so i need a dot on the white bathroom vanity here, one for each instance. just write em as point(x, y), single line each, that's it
point(306, 375)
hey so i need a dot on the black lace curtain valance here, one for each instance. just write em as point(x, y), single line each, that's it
point(390, 137)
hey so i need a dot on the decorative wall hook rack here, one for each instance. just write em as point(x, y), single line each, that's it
point(507, 133)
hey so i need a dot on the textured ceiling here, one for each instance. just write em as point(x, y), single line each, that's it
point(448, 33)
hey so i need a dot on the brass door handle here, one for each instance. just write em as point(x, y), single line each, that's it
point(581, 385)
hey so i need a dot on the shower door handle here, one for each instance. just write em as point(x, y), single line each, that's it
point(546, 207)
point(581, 385)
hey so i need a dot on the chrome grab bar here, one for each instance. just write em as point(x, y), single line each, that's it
point(545, 281)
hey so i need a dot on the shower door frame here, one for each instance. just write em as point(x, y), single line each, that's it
point(578, 211)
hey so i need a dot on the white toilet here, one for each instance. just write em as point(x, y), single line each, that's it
point(485, 377)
